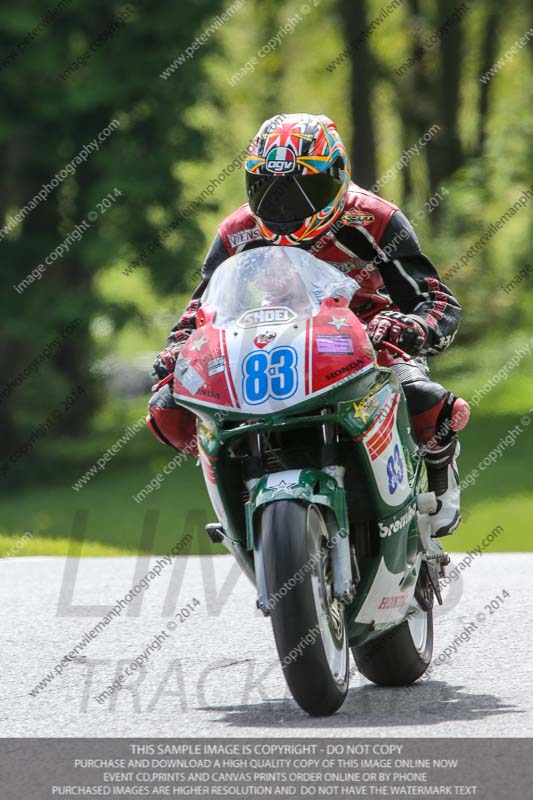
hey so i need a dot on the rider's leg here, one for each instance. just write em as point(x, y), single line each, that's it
point(437, 416)
point(170, 423)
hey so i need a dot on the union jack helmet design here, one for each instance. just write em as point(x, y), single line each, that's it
point(297, 176)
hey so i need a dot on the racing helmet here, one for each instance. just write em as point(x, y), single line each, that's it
point(297, 177)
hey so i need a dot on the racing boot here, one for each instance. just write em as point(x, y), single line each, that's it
point(443, 479)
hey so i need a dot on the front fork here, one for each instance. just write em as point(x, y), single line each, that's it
point(344, 568)
point(341, 561)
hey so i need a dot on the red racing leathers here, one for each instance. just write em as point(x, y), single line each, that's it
point(375, 244)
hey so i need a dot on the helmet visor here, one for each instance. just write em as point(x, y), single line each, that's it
point(289, 199)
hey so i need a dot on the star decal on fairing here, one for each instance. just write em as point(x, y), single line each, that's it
point(199, 343)
point(284, 487)
point(338, 322)
point(365, 408)
point(205, 431)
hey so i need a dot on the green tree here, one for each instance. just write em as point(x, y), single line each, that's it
point(87, 66)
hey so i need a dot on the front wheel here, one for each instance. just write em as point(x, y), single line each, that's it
point(308, 622)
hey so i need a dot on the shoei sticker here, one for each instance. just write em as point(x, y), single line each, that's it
point(274, 315)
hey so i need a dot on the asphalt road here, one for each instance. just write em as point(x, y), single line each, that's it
point(216, 672)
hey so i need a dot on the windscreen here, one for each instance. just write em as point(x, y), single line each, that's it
point(279, 284)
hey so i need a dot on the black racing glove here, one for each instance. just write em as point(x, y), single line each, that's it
point(166, 360)
point(403, 330)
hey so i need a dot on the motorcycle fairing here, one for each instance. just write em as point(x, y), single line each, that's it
point(385, 456)
point(387, 599)
point(271, 368)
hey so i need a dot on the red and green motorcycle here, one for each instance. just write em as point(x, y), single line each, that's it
point(306, 446)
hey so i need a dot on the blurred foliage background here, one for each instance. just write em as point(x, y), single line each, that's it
point(93, 63)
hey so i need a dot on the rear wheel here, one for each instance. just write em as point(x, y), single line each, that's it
point(308, 622)
point(400, 655)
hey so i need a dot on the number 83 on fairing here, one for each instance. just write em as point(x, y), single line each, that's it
point(271, 374)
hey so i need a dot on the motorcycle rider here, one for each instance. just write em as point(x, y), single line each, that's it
point(300, 194)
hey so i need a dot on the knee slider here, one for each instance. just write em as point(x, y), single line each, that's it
point(453, 417)
point(460, 414)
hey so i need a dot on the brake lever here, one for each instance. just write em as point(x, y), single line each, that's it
point(396, 350)
point(162, 382)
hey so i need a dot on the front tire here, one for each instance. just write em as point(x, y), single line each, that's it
point(308, 623)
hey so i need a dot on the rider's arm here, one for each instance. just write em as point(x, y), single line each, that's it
point(166, 359)
point(414, 284)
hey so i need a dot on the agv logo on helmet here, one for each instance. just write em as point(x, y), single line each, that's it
point(280, 160)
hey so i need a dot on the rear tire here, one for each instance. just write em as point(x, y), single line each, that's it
point(400, 655)
point(309, 625)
